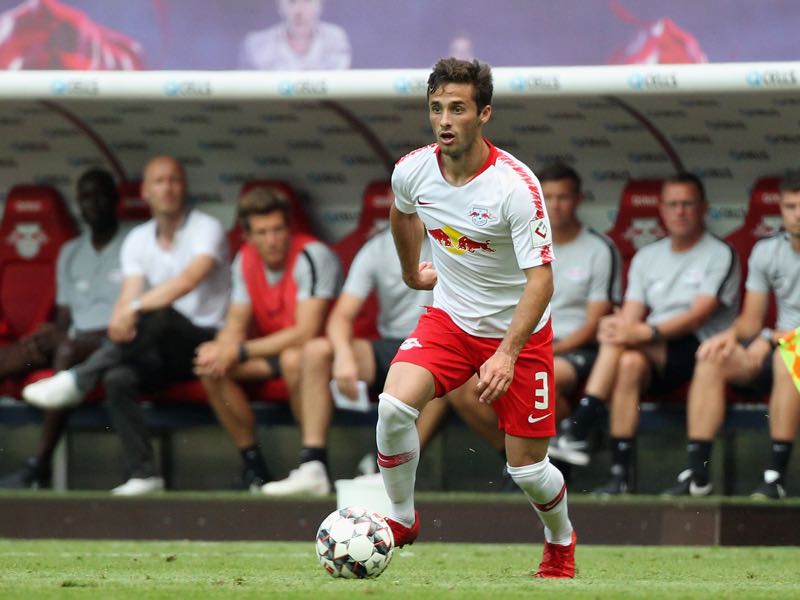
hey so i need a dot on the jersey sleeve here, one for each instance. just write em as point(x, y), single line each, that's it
point(239, 293)
point(758, 269)
point(530, 227)
point(317, 272)
point(209, 240)
point(636, 288)
point(722, 277)
point(131, 256)
point(361, 277)
point(402, 199)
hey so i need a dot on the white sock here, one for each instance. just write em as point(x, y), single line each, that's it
point(398, 455)
point(544, 485)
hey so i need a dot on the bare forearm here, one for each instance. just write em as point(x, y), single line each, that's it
point(408, 232)
point(680, 325)
point(529, 311)
point(164, 295)
point(275, 343)
point(340, 333)
point(745, 328)
point(585, 334)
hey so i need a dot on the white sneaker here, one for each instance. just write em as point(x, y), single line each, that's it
point(137, 486)
point(310, 478)
point(568, 450)
point(58, 391)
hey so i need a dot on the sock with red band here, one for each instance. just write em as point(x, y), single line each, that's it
point(544, 485)
point(398, 455)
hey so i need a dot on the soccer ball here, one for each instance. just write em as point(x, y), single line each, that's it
point(355, 543)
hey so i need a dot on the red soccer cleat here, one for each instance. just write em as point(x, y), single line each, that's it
point(558, 561)
point(404, 535)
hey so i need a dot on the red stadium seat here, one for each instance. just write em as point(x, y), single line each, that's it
point(377, 201)
point(35, 224)
point(763, 218)
point(299, 218)
point(132, 207)
point(298, 214)
point(235, 238)
point(638, 221)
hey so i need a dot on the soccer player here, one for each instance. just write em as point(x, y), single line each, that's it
point(492, 282)
point(175, 288)
point(747, 355)
point(284, 281)
point(681, 290)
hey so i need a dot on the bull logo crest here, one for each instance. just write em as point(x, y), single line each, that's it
point(480, 216)
point(768, 226)
point(28, 239)
point(643, 231)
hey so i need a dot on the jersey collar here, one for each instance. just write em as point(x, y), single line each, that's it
point(490, 160)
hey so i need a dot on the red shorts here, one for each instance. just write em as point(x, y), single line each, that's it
point(452, 356)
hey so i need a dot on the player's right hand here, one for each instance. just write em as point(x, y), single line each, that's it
point(425, 277)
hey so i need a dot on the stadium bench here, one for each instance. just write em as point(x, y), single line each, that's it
point(167, 418)
point(163, 420)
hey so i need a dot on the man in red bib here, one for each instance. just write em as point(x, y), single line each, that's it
point(284, 282)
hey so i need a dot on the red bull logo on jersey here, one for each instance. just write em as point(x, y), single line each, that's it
point(456, 242)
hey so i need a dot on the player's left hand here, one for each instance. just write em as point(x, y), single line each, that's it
point(495, 377)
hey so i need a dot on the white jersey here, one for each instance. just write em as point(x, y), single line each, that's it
point(199, 234)
point(482, 234)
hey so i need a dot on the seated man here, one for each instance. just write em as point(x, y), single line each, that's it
point(174, 293)
point(747, 355)
point(285, 281)
point(586, 279)
point(87, 285)
point(681, 290)
point(348, 360)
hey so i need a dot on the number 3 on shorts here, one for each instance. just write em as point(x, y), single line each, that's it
point(541, 392)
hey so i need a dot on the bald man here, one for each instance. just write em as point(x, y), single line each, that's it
point(174, 295)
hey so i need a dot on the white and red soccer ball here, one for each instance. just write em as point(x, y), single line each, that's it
point(354, 543)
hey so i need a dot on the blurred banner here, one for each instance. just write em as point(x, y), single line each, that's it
point(376, 34)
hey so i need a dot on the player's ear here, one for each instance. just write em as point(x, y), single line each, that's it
point(485, 114)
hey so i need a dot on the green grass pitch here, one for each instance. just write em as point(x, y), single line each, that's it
point(187, 570)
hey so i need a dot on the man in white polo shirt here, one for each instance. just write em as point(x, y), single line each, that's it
point(174, 295)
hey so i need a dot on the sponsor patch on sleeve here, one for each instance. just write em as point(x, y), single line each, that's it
point(540, 232)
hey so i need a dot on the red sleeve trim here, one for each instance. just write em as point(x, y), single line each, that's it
point(533, 188)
